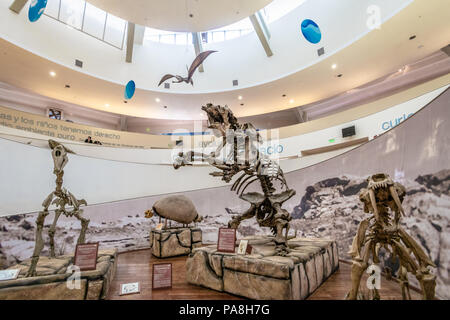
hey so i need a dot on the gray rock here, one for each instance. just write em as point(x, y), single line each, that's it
point(174, 242)
point(256, 287)
point(51, 281)
point(258, 276)
point(304, 285)
point(263, 267)
point(199, 272)
point(310, 269)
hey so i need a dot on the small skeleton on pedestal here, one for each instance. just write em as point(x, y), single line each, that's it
point(61, 198)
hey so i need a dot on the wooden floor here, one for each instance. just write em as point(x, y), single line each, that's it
point(137, 266)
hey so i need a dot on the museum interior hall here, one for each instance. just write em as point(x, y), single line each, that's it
point(224, 150)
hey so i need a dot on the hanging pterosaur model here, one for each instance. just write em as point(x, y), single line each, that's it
point(195, 64)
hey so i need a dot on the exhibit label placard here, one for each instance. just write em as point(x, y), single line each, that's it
point(129, 288)
point(86, 256)
point(227, 240)
point(244, 247)
point(9, 274)
point(162, 276)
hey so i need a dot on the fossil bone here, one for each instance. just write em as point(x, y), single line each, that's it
point(178, 208)
point(61, 198)
point(238, 152)
point(382, 197)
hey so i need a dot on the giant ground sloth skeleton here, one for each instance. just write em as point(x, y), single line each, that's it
point(382, 198)
point(241, 155)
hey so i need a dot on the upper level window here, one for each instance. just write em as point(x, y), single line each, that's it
point(232, 31)
point(89, 19)
point(272, 12)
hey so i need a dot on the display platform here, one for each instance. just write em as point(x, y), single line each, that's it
point(262, 275)
point(51, 282)
point(175, 241)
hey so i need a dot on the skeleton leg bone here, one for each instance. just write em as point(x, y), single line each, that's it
point(403, 277)
point(358, 268)
point(428, 285)
point(84, 226)
point(51, 232)
point(426, 279)
point(236, 220)
point(39, 245)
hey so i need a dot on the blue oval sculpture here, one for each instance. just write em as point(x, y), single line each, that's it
point(311, 31)
point(37, 8)
point(129, 89)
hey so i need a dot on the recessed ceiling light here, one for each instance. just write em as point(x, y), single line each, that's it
point(291, 101)
point(240, 97)
point(52, 73)
point(107, 105)
point(157, 99)
point(334, 66)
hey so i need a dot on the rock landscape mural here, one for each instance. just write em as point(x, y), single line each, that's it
point(415, 153)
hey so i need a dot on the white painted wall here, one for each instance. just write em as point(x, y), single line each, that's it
point(103, 174)
point(342, 22)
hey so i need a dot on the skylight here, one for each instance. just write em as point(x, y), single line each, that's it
point(274, 11)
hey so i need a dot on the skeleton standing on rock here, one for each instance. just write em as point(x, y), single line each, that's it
point(238, 153)
point(61, 198)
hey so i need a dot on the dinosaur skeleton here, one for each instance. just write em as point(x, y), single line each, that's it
point(61, 198)
point(241, 155)
point(382, 197)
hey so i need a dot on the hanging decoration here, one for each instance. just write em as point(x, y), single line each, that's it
point(37, 8)
point(311, 31)
point(130, 88)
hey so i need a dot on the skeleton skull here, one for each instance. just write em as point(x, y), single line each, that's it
point(59, 154)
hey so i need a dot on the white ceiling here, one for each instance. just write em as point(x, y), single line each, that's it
point(174, 15)
point(379, 53)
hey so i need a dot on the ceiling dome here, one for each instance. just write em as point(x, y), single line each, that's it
point(181, 15)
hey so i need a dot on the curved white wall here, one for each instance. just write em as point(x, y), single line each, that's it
point(101, 174)
point(341, 22)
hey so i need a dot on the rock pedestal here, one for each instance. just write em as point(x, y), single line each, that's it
point(51, 280)
point(175, 242)
point(262, 275)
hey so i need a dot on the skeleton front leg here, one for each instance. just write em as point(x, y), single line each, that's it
point(358, 268)
point(426, 279)
point(84, 225)
point(403, 277)
point(39, 244)
point(281, 219)
point(236, 220)
point(51, 232)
